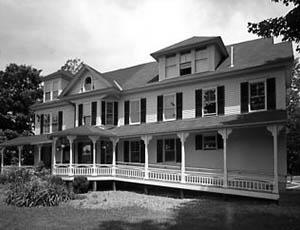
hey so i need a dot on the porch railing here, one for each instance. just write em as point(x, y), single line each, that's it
point(172, 174)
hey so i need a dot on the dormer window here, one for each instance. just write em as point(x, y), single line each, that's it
point(87, 84)
point(171, 70)
point(55, 90)
point(185, 63)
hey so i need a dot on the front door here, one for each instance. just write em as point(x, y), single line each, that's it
point(85, 153)
point(46, 156)
point(106, 152)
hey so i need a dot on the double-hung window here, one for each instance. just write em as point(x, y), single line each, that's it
point(170, 150)
point(210, 101)
point(135, 151)
point(170, 107)
point(109, 113)
point(55, 90)
point(87, 114)
point(54, 122)
point(257, 92)
point(185, 63)
point(46, 124)
point(135, 111)
point(209, 141)
point(47, 91)
point(171, 67)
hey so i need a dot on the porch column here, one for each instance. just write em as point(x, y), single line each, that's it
point(39, 152)
point(274, 130)
point(20, 154)
point(71, 140)
point(225, 133)
point(2, 159)
point(146, 140)
point(182, 137)
point(54, 153)
point(94, 140)
point(114, 142)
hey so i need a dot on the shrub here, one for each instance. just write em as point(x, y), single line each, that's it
point(80, 184)
point(3, 178)
point(55, 180)
point(39, 166)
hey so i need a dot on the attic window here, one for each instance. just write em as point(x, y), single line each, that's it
point(185, 63)
point(88, 84)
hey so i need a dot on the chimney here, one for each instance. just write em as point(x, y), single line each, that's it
point(231, 57)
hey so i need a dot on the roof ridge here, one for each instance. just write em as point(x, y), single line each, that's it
point(129, 67)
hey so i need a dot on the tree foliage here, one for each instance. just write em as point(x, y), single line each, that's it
point(19, 89)
point(72, 65)
point(287, 26)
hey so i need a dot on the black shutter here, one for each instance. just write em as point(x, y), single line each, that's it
point(60, 120)
point(94, 113)
point(116, 113)
point(142, 146)
point(160, 107)
point(271, 93)
point(126, 151)
point(198, 141)
point(220, 141)
point(102, 152)
point(117, 152)
point(244, 97)
point(221, 100)
point(143, 110)
point(126, 112)
point(103, 112)
point(178, 150)
point(80, 114)
point(42, 124)
point(198, 102)
point(79, 152)
point(159, 151)
point(178, 106)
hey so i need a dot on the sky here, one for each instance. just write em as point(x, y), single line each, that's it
point(114, 34)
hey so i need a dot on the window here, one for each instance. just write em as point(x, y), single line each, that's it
point(185, 63)
point(47, 96)
point(171, 70)
point(201, 62)
point(88, 84)
point(257, 96)
point(169, 147)
point(135, 151)
point(47, 91)
point(86, 151)
point(209, 102)
point(170, 107)
point(209, 142)
point(135, 111)
point(54, 122)
point(87, 114)
point(55, 90)
point(46, 124)
point(109, 113)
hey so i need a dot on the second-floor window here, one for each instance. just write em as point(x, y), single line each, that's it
point(185, 63)
point(170, 107)
point(257, 97)
point(109, 113)
point(55, 90)
point(209, 101)
point(47, 92)
point(87, 114)
point(54, 122)
point(46, 124)
point(171, 67)
point(135, 111)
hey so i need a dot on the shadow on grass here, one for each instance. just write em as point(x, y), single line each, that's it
point(225, 213)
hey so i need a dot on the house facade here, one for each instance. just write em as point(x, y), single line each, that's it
point(203, 117)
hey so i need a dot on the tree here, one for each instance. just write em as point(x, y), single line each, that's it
point(287, 26)
point(72, 65)
point(19, 89)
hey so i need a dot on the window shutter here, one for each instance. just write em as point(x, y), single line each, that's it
point(116, 113)
point(160, 108)
point(80, 113)
point(117, 152)
point(221, 100)
point(220, 141)
point(271, 93)
point(143, 110)
point(126, 151)
point(60, 120)
point(42, 124)
point(94, 113)
point(198, 101)
point(159, 151)
point(198, 142)
point(178, 106)
point(103, 112)
point(244, 97)
point(126, 112)
point(178, 150)
point(142, 144)
point(102, 152)
point(79, 152)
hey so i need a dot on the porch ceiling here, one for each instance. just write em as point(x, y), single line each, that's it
point(27, 140)
point(84, 131)
point(203, 123)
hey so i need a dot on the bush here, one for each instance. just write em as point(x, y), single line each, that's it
point(80, 184)
point(55, 180)
point(3, 179)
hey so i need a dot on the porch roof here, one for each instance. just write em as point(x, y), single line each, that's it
point(27, 140)
point(203, 123)
point(84, 131)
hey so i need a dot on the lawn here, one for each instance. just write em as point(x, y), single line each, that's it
point(129, 210)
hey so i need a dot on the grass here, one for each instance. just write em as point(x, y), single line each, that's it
point(129, 210)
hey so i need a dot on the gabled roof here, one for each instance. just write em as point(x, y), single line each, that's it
point(192, 42)
point(59, 74)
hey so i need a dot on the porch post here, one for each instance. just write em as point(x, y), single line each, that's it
point(225, 133)
point(20, 154)
point(146, 140)
point(114, 142)
point(39, 152)
point(182, 137)
point(94, 140)
point(54, 154)
point(2, 159)
point(274, 130)
point(71, 140)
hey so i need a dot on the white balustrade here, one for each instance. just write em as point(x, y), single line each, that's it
point(130, 171)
